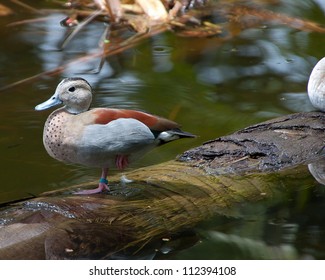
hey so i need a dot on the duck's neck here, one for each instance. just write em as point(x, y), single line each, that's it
point(74, 111)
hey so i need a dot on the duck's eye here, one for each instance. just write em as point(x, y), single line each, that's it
point(72, 89)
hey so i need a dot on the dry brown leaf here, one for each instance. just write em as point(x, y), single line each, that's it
point(5, 11)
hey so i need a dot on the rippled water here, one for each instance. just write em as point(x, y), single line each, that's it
point(212, 89)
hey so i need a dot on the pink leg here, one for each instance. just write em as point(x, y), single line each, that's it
point(121, 161)
point(102, 186)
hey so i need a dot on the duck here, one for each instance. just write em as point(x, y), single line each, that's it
point(316, 86)
point(105, 138)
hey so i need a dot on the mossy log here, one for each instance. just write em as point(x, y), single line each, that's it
point(270, 146)
point(164, 199)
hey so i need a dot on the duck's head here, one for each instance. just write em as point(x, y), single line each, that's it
point(74, 93)
point(316, 86)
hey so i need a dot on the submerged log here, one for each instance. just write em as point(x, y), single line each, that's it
point(164, 199)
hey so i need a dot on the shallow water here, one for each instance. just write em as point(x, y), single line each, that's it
point(212, 89)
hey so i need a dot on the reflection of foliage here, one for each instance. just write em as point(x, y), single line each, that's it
point(222, 20)
point(240, 247)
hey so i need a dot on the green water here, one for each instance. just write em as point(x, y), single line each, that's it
point(212, 89)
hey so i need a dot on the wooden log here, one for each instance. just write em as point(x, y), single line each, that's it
point(164, 199)
point(266, 147)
